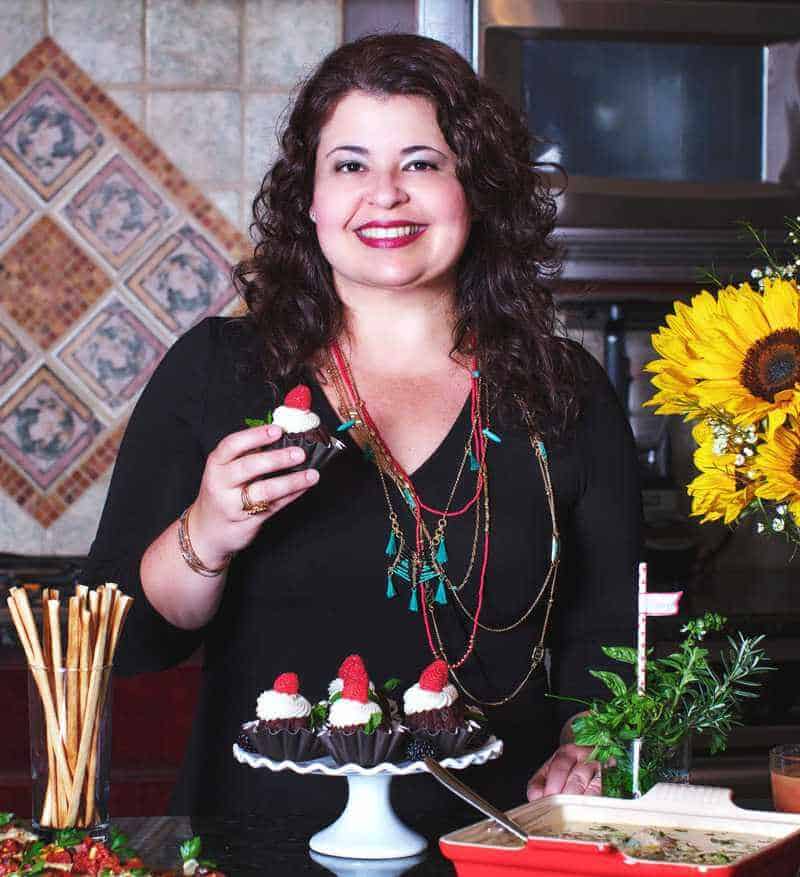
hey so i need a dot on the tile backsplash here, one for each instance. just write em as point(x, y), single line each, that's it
point(133, 137)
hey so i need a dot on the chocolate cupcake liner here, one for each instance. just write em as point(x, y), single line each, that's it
point(366, 750)
point(284, 745)
point(318, 454)
point(450, 743)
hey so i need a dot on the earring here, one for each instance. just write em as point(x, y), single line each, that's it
point(311, 215)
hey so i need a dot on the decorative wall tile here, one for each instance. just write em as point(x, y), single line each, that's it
point(14, 208)
point(104, 38)
point(44, 427)
point(114, 354)
point(201, 131)
point(229, 202)
point(264, 116)
point(287, 38)
point(21, 26)
point(117, 212)
point(48, 282)
point(183, 281)
point(66, 342)
point(207, 49)
point(47, 138)
point(131, 103)
point(12, 356)
point(73, 532)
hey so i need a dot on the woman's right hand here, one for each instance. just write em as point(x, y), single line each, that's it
point(219, 524)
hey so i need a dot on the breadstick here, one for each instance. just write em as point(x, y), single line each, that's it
point(86, 644)
point(73, 682)
point(111, 599)
point(91, 714)
point(26, 627)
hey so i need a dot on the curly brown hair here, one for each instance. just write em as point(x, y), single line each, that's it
point(503, 301)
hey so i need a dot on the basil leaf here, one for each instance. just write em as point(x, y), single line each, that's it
point(391, 684)
point(374, 721)
point(624, 654)
point(615, 684)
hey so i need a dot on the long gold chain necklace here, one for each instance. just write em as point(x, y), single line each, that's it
point(422, 566)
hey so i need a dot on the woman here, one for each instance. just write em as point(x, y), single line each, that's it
point(400, 269)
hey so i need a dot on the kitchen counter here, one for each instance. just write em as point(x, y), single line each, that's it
point(280, 846)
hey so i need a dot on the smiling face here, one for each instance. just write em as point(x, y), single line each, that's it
point(390, 212)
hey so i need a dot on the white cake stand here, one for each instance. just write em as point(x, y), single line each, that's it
point(368, 827)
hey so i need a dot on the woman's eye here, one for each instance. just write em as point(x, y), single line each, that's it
point(419, 164)
point(349, 167)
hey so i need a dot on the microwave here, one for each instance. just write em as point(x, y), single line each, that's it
point(675, 121)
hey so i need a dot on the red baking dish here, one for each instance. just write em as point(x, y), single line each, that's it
point(487, 849)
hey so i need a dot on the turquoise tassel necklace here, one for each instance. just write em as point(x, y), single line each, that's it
point(423, 570)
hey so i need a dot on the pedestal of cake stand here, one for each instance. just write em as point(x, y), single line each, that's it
point(368, 827)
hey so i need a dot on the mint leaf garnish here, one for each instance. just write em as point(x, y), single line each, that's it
point(191, 849)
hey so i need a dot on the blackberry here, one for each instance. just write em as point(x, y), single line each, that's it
point(245, 743)
point(418, 750)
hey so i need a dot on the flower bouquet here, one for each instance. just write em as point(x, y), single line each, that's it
point(731, 362)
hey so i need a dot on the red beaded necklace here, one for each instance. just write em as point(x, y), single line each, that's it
point(359, 416)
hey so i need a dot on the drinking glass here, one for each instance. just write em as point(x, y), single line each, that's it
point(70, 735)
point(784, 773)
point(645, 763)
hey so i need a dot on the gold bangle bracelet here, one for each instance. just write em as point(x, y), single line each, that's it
point(188, 553)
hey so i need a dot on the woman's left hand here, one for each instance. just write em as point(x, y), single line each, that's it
point(567, 771)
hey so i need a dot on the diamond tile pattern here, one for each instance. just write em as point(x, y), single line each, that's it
point(107, 254)
point(183, 280)
point(48, 282)
point(114, 354)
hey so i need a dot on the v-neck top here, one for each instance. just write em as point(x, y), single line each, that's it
point(311, 588)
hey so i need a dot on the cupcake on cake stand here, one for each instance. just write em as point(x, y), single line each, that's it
point(368, 827)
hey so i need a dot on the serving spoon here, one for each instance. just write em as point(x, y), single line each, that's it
point(463, 791)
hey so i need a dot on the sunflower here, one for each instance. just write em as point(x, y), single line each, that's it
point(676, 343)
point(778, 461)
point(726, 483)
point(747, 360)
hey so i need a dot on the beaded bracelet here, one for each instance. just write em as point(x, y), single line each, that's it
point(188, 553)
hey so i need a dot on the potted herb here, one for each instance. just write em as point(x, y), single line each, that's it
point(683, 696)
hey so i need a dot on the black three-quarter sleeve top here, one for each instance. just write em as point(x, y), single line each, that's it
point(311, 588)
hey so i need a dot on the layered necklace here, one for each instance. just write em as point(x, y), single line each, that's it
point(419, 560)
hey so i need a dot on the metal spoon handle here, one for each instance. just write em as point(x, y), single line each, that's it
point(464, 792)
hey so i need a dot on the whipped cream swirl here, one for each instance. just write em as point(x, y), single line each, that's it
point(272, 705)
point(294, 419)
point(420, 700)
point(345, 712)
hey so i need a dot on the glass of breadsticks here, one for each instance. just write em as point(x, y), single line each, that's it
point(69, 701)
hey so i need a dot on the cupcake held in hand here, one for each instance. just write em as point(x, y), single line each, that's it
point(284, 730)
point(303, 428)
point(358, 731)
point(434, 713)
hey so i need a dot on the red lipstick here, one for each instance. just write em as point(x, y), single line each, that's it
point(394, 239)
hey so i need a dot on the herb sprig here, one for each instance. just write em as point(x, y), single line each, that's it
point(684, 694)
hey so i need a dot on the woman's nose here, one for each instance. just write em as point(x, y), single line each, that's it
point(386, 191)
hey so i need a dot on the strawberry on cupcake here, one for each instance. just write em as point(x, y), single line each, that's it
point(352, 663)
point(358, 730)
point(303, 428)
point(282, 706)
point(434, 712)
point(283, 730)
